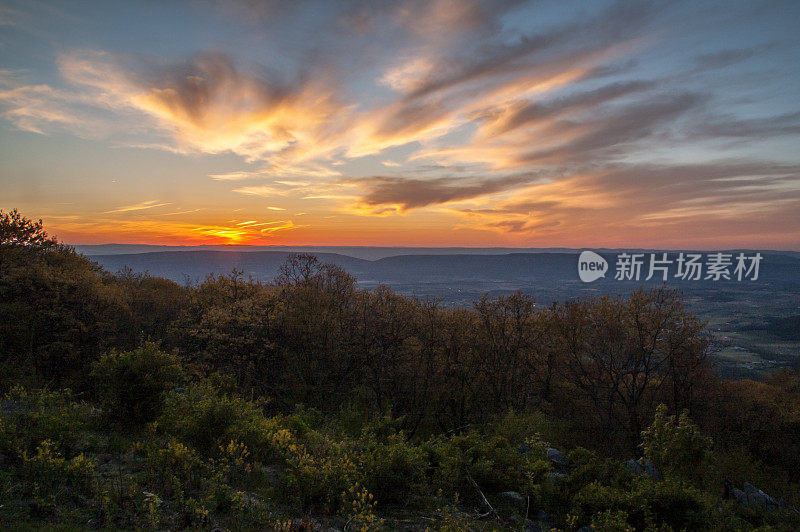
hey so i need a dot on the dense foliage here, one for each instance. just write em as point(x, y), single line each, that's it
point(133, 402)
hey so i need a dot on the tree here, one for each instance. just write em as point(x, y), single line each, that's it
point(314, 327)
point(504, 343)
point(54, 308)
point(131, 384)
point(16, 230)
point(676, 446)
point(228, 327)
point(625, 354)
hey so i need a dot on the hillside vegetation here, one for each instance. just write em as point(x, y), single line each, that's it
point(131, 402)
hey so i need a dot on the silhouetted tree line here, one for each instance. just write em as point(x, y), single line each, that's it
point(598, 365)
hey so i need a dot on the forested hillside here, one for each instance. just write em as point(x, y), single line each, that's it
point(131, 401)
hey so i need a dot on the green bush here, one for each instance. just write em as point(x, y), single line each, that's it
point(645, 503)
point(676, 447)
point(587, 466)
point(173, 470)
point(131, 384)
point(393, 466)
point(494, 463)
point(526, 430)
point(183, 490)
point(50, 472)
point(609, 521)
point(33, 416)
point(320, 476)
point(208, 420)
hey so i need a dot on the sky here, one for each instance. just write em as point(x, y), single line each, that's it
point(418, 123)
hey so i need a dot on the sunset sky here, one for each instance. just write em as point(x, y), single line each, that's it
point(425, 123)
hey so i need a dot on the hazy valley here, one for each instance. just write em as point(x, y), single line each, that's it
point(756, 324)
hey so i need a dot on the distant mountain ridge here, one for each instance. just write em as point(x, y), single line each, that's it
point(361, 252)
point(525, 269)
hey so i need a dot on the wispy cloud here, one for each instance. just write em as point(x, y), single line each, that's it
point(152, 204)
point(235, 176)
point(622, 204)
point(266, 191)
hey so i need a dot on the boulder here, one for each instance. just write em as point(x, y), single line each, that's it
point(514, 499)
point(755, 496)
point(652, 471)
point(558, 460)
point(634, 467)
point(544, 520)
point(740, 496)
point(769, 501)
point(532, 526)
point(756, 499)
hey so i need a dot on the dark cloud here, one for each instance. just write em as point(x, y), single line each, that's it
point(527, 112)
point(725, 58)
point(586, 161)
point(608, 135)
point(613, 26)
point(412, 193)
point(428, 18)
point(756, 128)
point(193, 87)
point(718, 183)
point(733, 197)
point(407, 119)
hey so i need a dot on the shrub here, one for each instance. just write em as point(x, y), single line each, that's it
point(676, 446)
point(209, 420)
point(32, 416)
point(612, 522)
point(587, 466)
point(524, 429)
point(131, 384)
point(392, 465)
point(645, 503)
point(48, 468)
point(450, 519)
point(174, 469)
point(491, 461)
point(320, 477)
point(361, 511)
point(183, 490)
